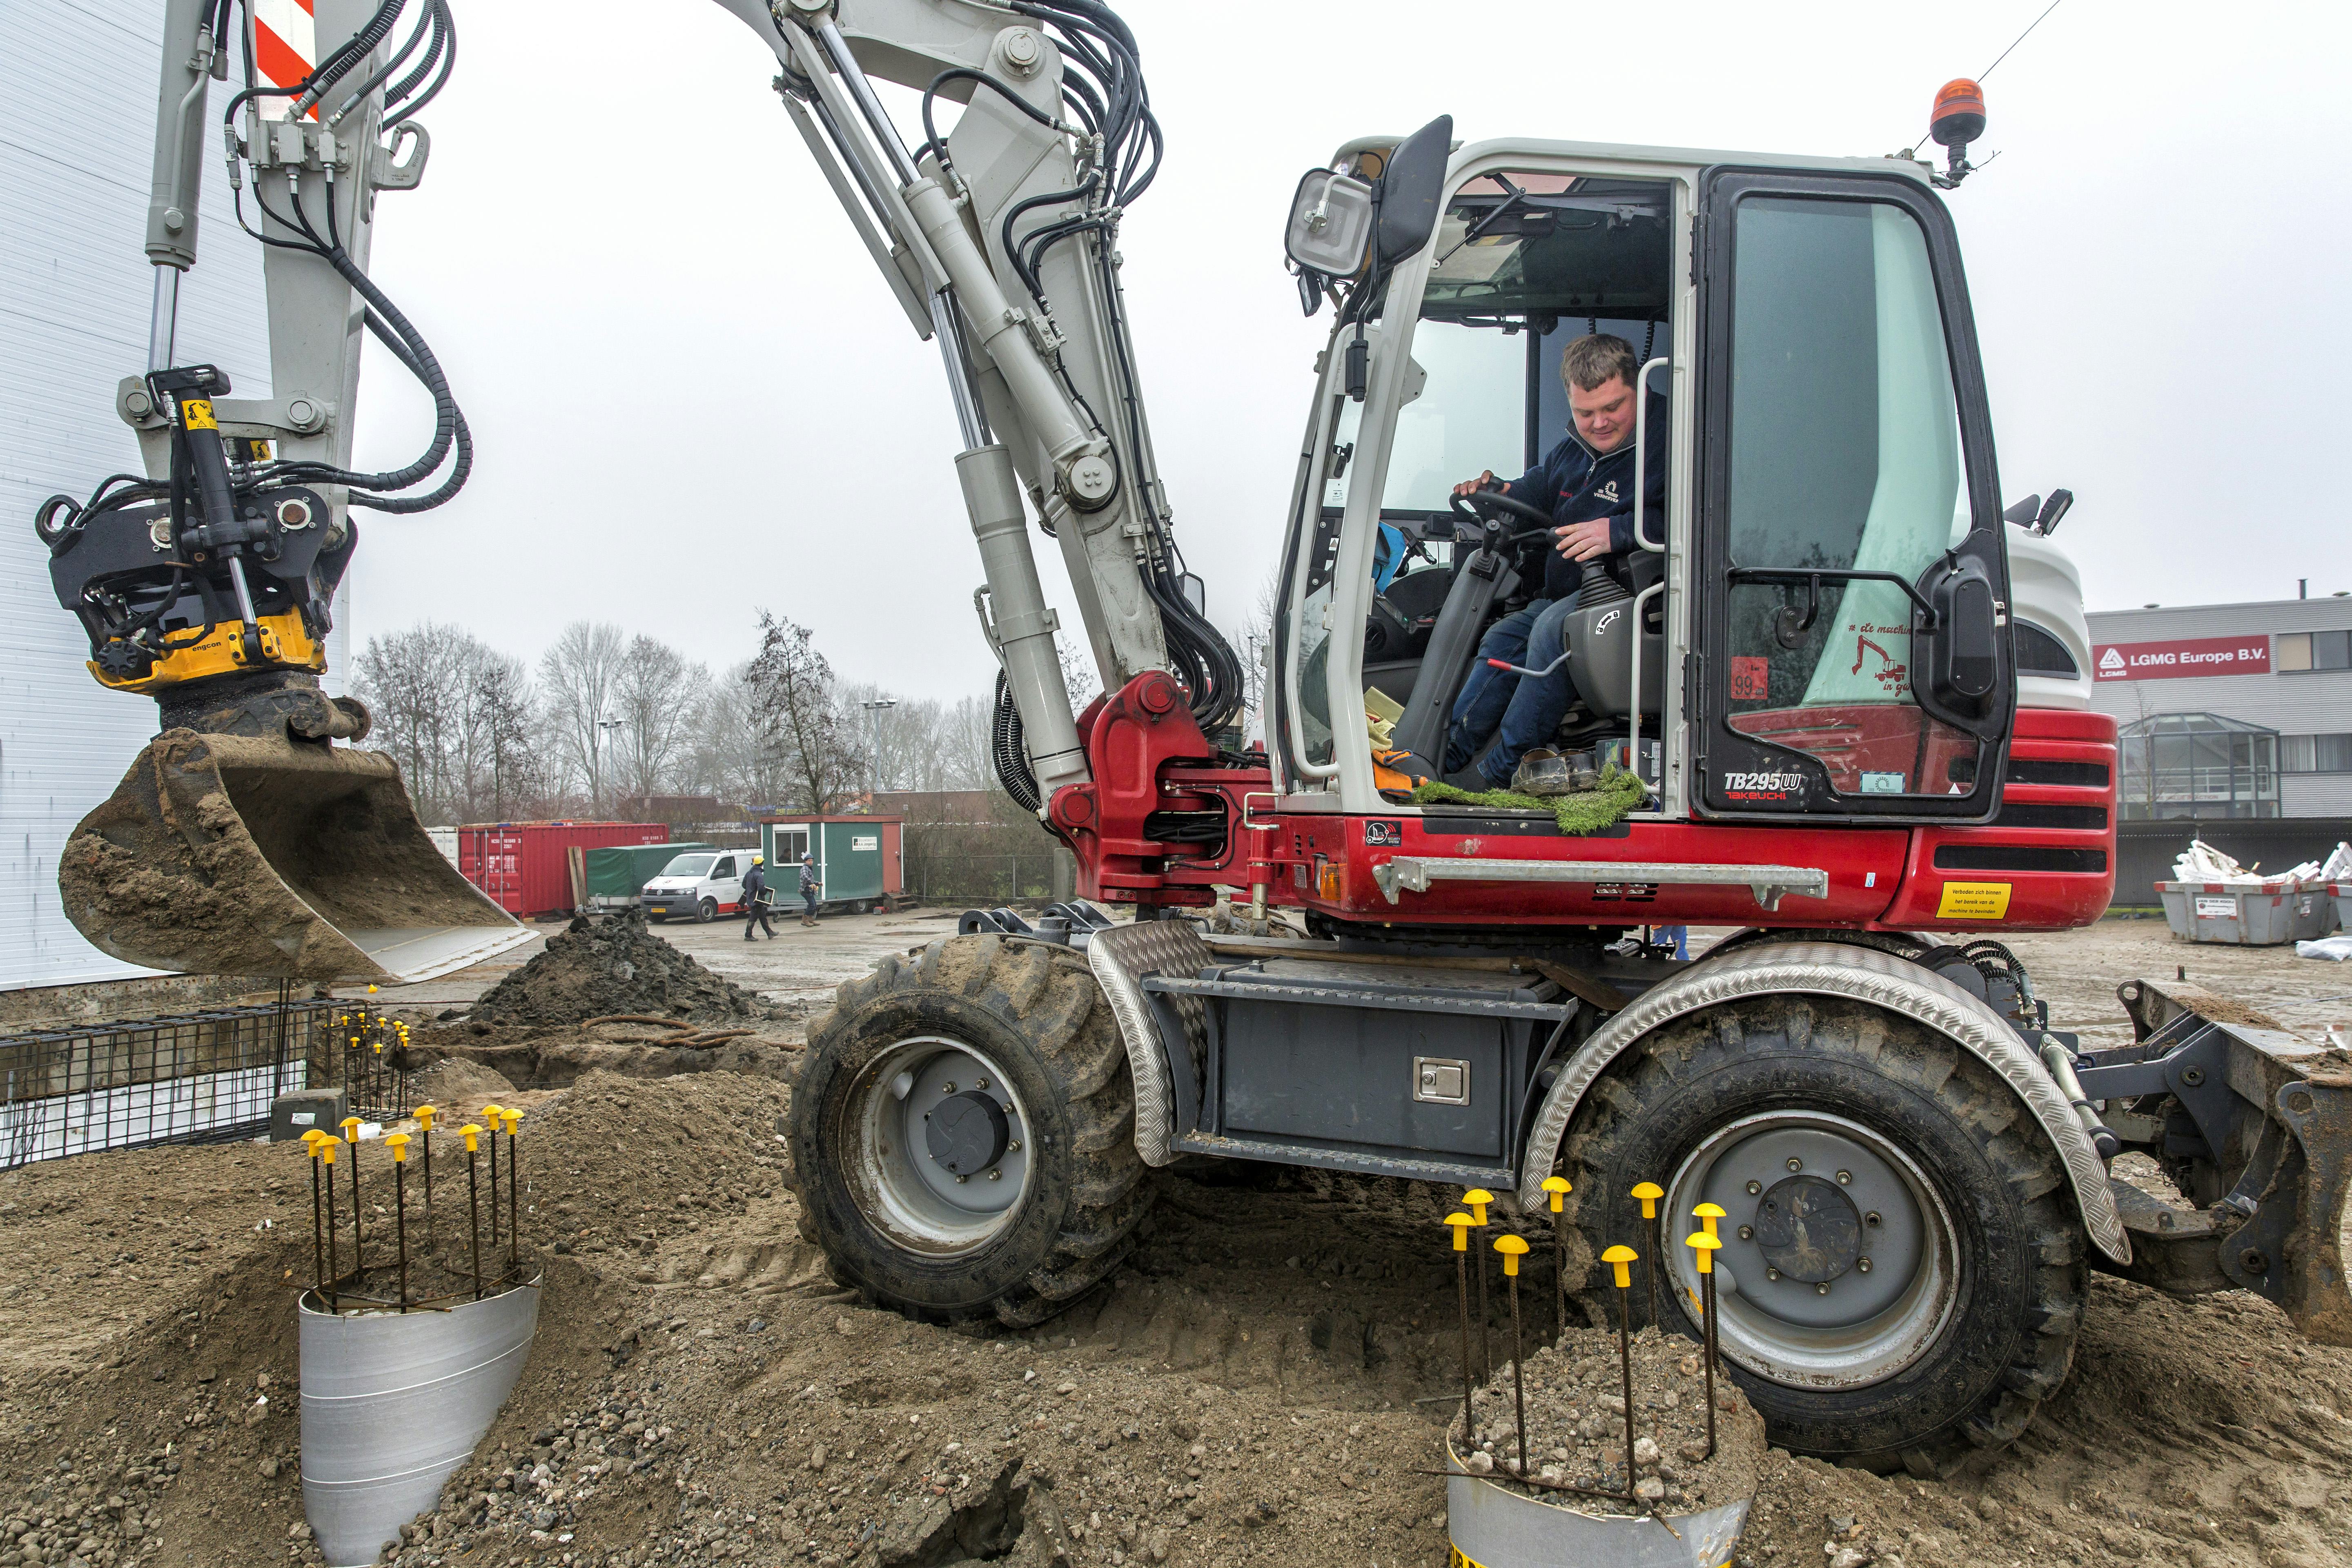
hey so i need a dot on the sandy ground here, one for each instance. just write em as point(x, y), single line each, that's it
point(1262, 1384)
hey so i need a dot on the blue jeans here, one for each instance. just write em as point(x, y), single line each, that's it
point(1520, 713)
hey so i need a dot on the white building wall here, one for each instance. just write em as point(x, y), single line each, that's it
point(78, 87)
point(2293, 703)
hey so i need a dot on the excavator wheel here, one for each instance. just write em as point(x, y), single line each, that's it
point(962, 1132)
point(1905, 1273)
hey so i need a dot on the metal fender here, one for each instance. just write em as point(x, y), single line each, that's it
point(1860, 975)
point(1121, 955)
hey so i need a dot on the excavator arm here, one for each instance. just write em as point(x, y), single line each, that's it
point(245, 839)
point(998, 239)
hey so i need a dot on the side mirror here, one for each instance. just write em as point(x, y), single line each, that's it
point(1960, 672)
point(2052, 509)
point(1331, 226)
point(1410, 188)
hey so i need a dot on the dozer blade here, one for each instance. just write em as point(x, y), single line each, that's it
point(241, 855)
point(2263, 1119)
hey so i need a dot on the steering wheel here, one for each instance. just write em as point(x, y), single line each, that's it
point(1486, 508)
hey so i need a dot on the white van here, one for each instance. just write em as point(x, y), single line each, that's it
point(700, 886)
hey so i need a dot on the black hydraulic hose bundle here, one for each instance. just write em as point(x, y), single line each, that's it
point(1007, 752)
point(436, 31)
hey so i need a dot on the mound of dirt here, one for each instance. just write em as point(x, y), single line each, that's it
point(639, 1159)
point(607, 964)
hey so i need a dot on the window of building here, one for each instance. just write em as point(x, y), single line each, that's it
point(2295, 651)
point(2198, 765)
point(2315, 753)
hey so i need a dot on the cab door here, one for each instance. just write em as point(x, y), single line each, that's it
point(1854, 652)
point(726, 884)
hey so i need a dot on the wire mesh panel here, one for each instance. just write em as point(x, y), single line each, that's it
point(190, 1077)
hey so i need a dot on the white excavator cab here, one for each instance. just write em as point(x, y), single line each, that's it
point(1814, 617)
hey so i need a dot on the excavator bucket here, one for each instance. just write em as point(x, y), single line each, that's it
point(225, 854)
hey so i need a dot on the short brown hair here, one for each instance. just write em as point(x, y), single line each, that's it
point(1596, 359)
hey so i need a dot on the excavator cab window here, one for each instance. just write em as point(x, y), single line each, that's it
point(1524, 262)
point(1856, 661)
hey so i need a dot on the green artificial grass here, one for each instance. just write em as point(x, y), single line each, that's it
point(1588, 811)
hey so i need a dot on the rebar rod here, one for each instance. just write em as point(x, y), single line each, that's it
point(1518, 1377)
point(474, 1217)
point(1625, 1379)
point(400, 1223)
point(1707, 1351)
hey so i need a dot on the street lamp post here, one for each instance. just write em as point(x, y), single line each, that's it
point(874, 734)
point(596, 758)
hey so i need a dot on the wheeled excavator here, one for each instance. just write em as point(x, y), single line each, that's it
point(1851, 685)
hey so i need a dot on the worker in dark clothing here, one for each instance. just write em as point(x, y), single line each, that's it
point(809, 885)
point(1587, 481)
point(757, 899)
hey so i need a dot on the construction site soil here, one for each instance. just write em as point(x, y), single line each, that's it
point(606, 995)
point(1264, 1382)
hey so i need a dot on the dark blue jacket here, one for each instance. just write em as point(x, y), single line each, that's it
point(1582, 488)
point(755, 883)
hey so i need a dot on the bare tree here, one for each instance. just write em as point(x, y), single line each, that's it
point(511, 766)
point(577, 677)
point(654, 697)
point(808, 747)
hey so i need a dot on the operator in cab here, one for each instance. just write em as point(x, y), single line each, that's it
point(1587, 481)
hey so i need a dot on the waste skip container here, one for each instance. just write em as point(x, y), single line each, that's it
point(2244, 914)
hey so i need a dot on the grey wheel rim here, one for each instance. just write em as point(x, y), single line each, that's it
point(1840, 1264)
point(940, 1146)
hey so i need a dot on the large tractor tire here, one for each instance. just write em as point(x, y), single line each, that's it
point(962, 1132)
point(1905, 1273)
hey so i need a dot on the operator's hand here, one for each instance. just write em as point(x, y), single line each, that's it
point(1583, 541)
point(1484, 481)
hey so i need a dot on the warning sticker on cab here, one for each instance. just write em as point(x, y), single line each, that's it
point(1973, 901)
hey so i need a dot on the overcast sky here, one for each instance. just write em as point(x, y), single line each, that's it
point(693, 398)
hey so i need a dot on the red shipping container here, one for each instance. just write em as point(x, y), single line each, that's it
point(526, 868)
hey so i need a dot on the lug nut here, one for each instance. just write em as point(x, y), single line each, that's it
point(1747, 1233)
point(1822, 1288)
point(1862, 1265)
point(1013, 1147)
point(961, 1179)
point(1845, 1178)
point(948, 1088)
point(996, 1175)
point(1795, 1163)
point(1754, 1188)
point(979, 1083)
point(1772, 1273)
point(1872, 1218)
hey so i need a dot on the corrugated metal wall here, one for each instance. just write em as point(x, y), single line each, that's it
point(77, 85)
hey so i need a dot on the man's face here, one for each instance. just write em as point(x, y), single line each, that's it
point(1605, 415)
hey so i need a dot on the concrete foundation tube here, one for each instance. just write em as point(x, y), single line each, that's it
point(394, 1403)
point(1023, 622)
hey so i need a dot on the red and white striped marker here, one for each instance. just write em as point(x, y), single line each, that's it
point(284, 50)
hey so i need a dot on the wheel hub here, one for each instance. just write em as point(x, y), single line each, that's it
point(942, 1163)
point(1839, 1265)
point(1808, 1229)
point(967, 1132)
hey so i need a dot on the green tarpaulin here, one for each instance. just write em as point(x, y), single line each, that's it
point(622, 872)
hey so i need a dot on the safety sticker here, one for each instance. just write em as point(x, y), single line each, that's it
point(196, 413)
point(1973, 901)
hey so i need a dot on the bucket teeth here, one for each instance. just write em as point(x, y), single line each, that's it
point(260, 856)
